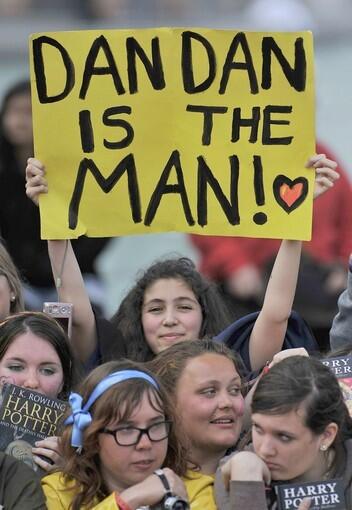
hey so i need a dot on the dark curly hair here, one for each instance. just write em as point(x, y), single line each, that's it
point(128, 318)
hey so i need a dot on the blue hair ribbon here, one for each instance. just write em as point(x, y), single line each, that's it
point(81, 417)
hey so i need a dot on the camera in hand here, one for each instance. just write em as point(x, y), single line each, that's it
point(62, 312)
point(174, 503)
point(169, 503)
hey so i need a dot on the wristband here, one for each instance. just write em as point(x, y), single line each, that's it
point(160, 474)
point(121, 503)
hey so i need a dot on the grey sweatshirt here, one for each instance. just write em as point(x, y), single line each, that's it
point(251, 495)
point(341, 330)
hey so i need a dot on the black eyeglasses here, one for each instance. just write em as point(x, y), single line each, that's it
point(128, 436)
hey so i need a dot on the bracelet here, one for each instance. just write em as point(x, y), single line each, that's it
point(160, 474)
point(121, 503)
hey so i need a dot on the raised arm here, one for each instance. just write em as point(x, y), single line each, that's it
point(71, 289)
point(67, 274)
point(269, 330)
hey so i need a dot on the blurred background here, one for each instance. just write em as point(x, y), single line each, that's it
point(330, 21)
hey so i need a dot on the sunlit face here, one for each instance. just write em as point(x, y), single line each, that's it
point(5, 297)
point(170, 314)
point(288, 446)
point(17, 120)
point(33, 363)
point(124, 466)
point(210, 403)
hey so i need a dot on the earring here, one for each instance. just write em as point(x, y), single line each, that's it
point(13, 297)
point(323, 447)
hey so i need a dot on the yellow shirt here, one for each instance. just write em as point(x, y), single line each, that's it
point(59, 496)
point(200, 490)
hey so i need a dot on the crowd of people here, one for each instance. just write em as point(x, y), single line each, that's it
point(179, 400)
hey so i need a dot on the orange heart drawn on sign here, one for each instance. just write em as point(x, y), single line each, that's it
point(288, 193)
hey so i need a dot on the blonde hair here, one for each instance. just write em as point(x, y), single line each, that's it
point(9, 270)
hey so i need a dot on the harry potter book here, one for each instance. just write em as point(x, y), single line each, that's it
point(342, 368)
point(27, 416)
point(324, 495)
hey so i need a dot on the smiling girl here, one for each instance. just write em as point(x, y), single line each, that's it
point(203, 380)
point(35, 354)
point(171, 301)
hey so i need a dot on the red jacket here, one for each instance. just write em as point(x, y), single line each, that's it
point(331, 240)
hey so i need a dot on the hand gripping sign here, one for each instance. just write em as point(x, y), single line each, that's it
point(151, 130)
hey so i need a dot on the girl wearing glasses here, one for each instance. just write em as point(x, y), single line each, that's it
point(119, 433)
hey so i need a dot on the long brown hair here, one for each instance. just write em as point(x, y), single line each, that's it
point(170, 364)
point(300, 380)
point(83, 470)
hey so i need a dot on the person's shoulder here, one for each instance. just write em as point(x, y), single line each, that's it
point(195, 475)
point(3, 458)
point(111, 341)
point(19, 485)
point(14, 470)
point(55, 480)
point(348, 446)
point(59, 491)
point(345, 470)
point(200, 489)
point(9, 463)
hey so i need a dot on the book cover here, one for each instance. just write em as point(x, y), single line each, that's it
point(342, 368)
point(324, 495)
point(27, 416)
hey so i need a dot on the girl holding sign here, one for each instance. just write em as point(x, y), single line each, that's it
point(167, 307)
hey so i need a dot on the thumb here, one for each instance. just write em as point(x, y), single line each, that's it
point(305, 504)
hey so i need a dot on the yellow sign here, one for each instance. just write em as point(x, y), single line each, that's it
point(192, 130)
